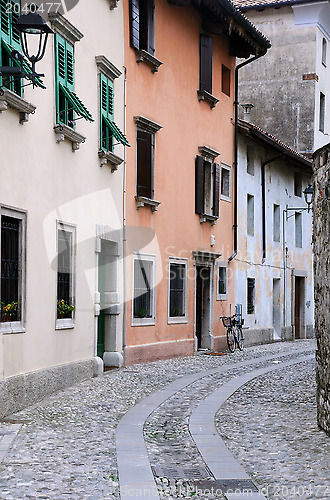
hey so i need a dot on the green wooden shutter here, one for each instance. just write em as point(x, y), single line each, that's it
point(15, 36)
point(106, 112)
point(64, 74)
point(4, 21)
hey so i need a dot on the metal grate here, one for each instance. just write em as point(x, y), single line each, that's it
point(177, 472)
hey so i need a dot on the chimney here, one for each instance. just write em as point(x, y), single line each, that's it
point(247, 111)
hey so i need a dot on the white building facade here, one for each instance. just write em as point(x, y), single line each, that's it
point(62, 170)
point(273, 266)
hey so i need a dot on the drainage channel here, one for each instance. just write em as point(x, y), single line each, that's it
point(136, 476)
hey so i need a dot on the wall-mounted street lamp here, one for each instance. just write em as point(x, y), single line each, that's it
point(308, 195)
point(28, 25)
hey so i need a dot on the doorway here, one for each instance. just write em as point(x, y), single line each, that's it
point(203, 306)
point(299, 291)
point(277, 308)
point(107, 330)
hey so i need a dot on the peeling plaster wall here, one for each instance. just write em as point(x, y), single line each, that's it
point(286, 104)
point(321, 241)
point(249, 262)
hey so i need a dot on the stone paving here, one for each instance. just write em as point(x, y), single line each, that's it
point(66, 448)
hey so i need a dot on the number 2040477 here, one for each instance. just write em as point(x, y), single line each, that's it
point(42, 8)
point(313, 491)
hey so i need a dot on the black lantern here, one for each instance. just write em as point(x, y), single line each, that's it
point(308, 194)
point(32, 24)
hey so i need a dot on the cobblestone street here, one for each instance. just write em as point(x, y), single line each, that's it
point(74, 445)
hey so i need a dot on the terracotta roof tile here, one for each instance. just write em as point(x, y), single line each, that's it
point(252, 4)
point(292, 152)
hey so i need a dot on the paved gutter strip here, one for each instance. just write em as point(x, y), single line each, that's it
point(216, 455)
point(135, 476)
point(8, 434)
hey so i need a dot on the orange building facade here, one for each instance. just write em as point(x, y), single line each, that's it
point(180, 114)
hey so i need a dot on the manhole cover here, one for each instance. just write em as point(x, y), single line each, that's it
point(177, 472)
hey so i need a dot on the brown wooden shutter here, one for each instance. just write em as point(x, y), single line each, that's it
point(144, 164)
point(134, 15)
point(216, 189)
point(205, 71)
point(199, 185)
point(151, 34)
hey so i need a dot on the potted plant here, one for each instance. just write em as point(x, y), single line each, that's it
point(64, 309)
point(8, 311)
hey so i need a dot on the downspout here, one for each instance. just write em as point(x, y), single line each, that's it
point(124, 229)
point(235, 225)
point(263, 202)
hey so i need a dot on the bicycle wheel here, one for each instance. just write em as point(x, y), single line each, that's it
point(231, 339)
point(239, 338)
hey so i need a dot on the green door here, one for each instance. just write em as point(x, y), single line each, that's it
point(100, 334)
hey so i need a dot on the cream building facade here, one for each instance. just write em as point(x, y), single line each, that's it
point(61, 200)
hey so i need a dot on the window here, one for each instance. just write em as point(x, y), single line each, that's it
point(251, 295)
point(145, 162)
point(322, 112)
point(178, 303)
point(250, 160)
point(297, 184)
point(250, 214)
point(142, 25)
point(68, 103)
point(298, 229)
point(324, 52)
point(12, 270)
point(222, 281)
point(225, 80)
point(144, 269)
point(276, 223)
point(108, 129)
point(207, 187)
point(225, 182)
point(65, 275)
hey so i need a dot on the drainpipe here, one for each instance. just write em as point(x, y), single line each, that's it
point(235, 225)
point(263, 203)
point(124, 228)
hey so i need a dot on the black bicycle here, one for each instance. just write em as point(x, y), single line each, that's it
point(233, 325)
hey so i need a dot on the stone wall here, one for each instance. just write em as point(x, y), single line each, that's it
point(321, 242)
point(283, 101)
point(20, 391)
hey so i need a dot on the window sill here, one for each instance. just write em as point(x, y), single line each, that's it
point(109, 157)
point(222, 296)
point(203, 95)
point(142, 201)
point(143, 322)
point(208, 218)
point(9, 98)
point(144, 56)
point(64, 132)
point(225, 198)
point(64, 324)
point(11, 327)
point(177, 320)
